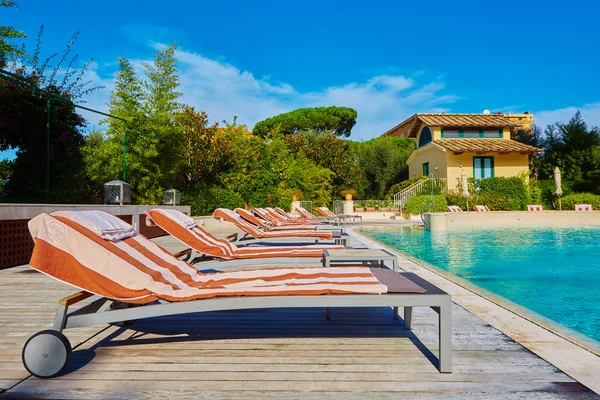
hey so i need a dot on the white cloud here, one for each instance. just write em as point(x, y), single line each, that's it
point(590, 113)
point(223, 90)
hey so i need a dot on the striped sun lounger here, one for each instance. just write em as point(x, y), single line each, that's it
point(481, 208)
point(261, 223)
point(583, 207)
point(254, 234)
point(278, 220)
point(185, 229)
point(535, 207)
point(453, 209)
point(324, 211)
point(102, 256)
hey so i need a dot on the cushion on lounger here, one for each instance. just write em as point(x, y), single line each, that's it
point(395, 282)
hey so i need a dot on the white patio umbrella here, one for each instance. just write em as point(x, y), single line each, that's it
point(464, 183)
point(465, 186)
point(558, 191)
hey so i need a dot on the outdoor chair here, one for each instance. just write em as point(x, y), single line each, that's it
point(254, 234)
point(536, 207)
point(103, 256)
point(583, 207)
point(481, 208)
point(453, 209)
point(251, 218)
point(215, 252)
point(278, 220)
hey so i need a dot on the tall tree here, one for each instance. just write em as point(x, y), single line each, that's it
point(8, 33)
point(160, 106)
point(575, 149)
point(383, 159)
point(337, 120)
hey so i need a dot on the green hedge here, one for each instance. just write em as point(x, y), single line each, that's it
point(544, 192)
point(205, 199)
point(569, 201)
point(509, 194)
point(416, 204)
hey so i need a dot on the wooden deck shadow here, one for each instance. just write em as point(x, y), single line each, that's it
point(351, 322)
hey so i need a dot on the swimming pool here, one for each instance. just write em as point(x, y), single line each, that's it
point(554, 272)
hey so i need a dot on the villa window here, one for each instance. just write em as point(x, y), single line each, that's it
point(426, 169)
point(472, 133)
point(425, 136)
point(483, 167)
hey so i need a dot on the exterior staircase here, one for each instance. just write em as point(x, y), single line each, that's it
point(424, 186)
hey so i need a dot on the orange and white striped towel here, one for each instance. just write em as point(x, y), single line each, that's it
point(535, 207)
point(583, 207)
point(139, 271)
point(251, 218)
point(258, 233)
point(200, 240)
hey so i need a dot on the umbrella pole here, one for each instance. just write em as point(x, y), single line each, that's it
point(559, 204)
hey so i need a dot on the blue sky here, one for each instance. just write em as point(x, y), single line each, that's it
point(387, 59)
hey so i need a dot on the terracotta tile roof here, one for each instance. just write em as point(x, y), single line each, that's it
point(411, 126)
point(464, 120)
point(485, 146)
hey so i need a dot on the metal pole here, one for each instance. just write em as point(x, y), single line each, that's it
point(47, 150)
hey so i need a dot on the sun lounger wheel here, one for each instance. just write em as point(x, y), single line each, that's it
point(46, 353)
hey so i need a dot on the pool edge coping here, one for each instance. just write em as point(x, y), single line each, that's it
point(566, 365)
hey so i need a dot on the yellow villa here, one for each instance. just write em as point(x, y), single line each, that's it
point(479, 144)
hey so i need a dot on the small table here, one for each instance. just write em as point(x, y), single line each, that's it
point(362, 257)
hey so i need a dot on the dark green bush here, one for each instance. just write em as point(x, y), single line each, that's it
point(569, 201)
point(205, 199)
point(415, 205)
point(544, 192)
point(501, 193)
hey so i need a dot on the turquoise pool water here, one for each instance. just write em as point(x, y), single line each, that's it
point(552, 271)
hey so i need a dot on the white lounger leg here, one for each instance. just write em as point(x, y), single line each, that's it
point(408, 317)
point(445, 318)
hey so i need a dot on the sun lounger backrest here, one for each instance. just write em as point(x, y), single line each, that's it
point(453, 209)
point(237, 220)
point(583, 207)
point(196, 237)
point(274, 214)
point(249, 217)
point(480, 208)
point(328, 212)
point(304, 212)
point(535, 207)
point(265, 215)
point(282, 213)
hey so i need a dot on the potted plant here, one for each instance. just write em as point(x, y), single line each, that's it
point(359, 208)
point(370, 204)
point(348, 193)
point(296, 195)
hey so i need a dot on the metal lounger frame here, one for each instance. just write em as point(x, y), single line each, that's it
point(100, 311)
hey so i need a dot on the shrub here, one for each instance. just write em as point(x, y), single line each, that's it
point(544, 192)
point(509, 194)
point(568, 202)
point(205, 199)
point(416, 204)
point(455, 199)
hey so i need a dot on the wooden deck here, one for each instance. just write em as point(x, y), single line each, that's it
point(283, 354)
